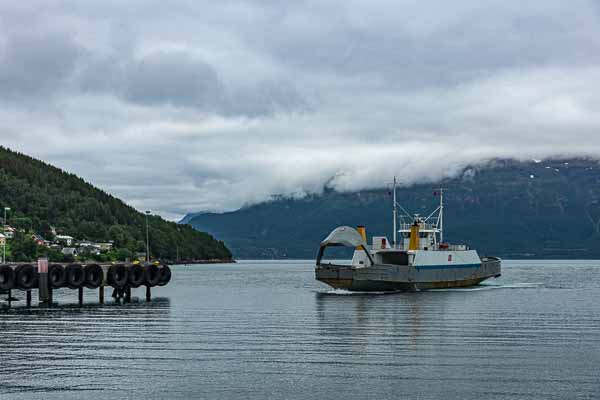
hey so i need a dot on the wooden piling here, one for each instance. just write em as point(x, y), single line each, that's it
point(101, 294)
point(44, 289)
point(28, 297)
point(80, 296)
point(128, 294)
point(148, 293)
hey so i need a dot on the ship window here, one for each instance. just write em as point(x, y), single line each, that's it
point(394, 257)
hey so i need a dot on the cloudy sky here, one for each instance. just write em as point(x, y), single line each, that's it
point(180, 106)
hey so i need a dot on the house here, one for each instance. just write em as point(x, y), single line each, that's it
point(107, 246)
point(2, 240)
point(69, 251)
point(9, 232)
point(39, 240)
point(65, 239)
point(89, 247)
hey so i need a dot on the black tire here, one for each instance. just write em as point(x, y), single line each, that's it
point(152, 275)
point(25, 277)
point(75, 276)
point(56, 276)
point(7, 277)
point(117, 276)
point(94, 276)
point(165, 275)
point(136, 275)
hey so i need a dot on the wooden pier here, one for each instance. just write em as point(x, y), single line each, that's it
point(47, 277)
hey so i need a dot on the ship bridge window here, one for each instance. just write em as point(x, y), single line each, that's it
point(422, 235)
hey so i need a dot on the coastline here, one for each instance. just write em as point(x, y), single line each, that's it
point(211, 261)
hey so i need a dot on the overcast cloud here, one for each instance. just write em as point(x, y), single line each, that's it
point(185, 106)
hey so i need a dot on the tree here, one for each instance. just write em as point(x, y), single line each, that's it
point(23, 248)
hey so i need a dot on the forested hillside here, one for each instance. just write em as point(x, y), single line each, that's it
point(42, 197)
point(548, 209)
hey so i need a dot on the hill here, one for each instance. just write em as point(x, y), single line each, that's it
point(548, 209)
point(45, 200)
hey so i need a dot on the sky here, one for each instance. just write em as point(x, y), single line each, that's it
point(186, 106)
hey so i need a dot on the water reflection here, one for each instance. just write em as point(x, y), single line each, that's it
point(395, 318)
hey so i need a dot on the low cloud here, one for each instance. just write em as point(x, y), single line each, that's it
point(209, 106)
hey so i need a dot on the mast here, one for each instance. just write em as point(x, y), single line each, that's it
point(441, 215)
point(395, 213)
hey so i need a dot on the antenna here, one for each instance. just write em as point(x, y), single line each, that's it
point(441, 215)
point(395, 213)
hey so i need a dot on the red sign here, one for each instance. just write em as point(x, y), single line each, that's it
point(42, 265)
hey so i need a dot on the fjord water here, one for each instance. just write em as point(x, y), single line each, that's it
point(267, 330)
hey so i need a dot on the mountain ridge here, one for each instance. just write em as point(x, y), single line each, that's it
point(536, 209)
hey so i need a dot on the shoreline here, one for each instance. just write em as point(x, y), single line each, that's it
point(212, 261)
point(166, 262)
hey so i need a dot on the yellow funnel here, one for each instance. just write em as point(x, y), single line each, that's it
point(363, 232)
point(414, 242)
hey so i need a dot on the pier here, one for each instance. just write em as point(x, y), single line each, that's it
point(47, 277)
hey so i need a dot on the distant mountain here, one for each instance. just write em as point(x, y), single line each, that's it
point(42, 197)
point(548, 209)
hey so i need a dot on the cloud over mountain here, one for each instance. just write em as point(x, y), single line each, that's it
point(184, 106)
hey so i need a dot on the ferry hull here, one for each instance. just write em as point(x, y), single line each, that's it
point(405, 278)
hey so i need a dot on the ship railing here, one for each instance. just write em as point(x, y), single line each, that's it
point(406, 227)
point(453, 247)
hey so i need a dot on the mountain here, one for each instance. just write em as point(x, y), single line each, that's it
point(538, 209)
point(44, 200)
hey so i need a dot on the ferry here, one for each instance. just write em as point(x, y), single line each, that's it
point(419, 260)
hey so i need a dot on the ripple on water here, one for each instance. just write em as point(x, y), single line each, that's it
point(223, 332)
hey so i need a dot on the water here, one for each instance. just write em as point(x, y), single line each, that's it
point(259, 330)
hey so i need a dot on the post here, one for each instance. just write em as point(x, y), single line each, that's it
point(9, 298)
point(148, 293)
point(128, 294)
point(28, 294)
point(101, 294)
point(147, 238)
point(80, 296)
point(4, 232)
point(44, 289)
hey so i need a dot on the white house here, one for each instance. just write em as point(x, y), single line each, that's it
point(66, 239)
point(2, 240)
point(69, 251)
point(9, 232)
